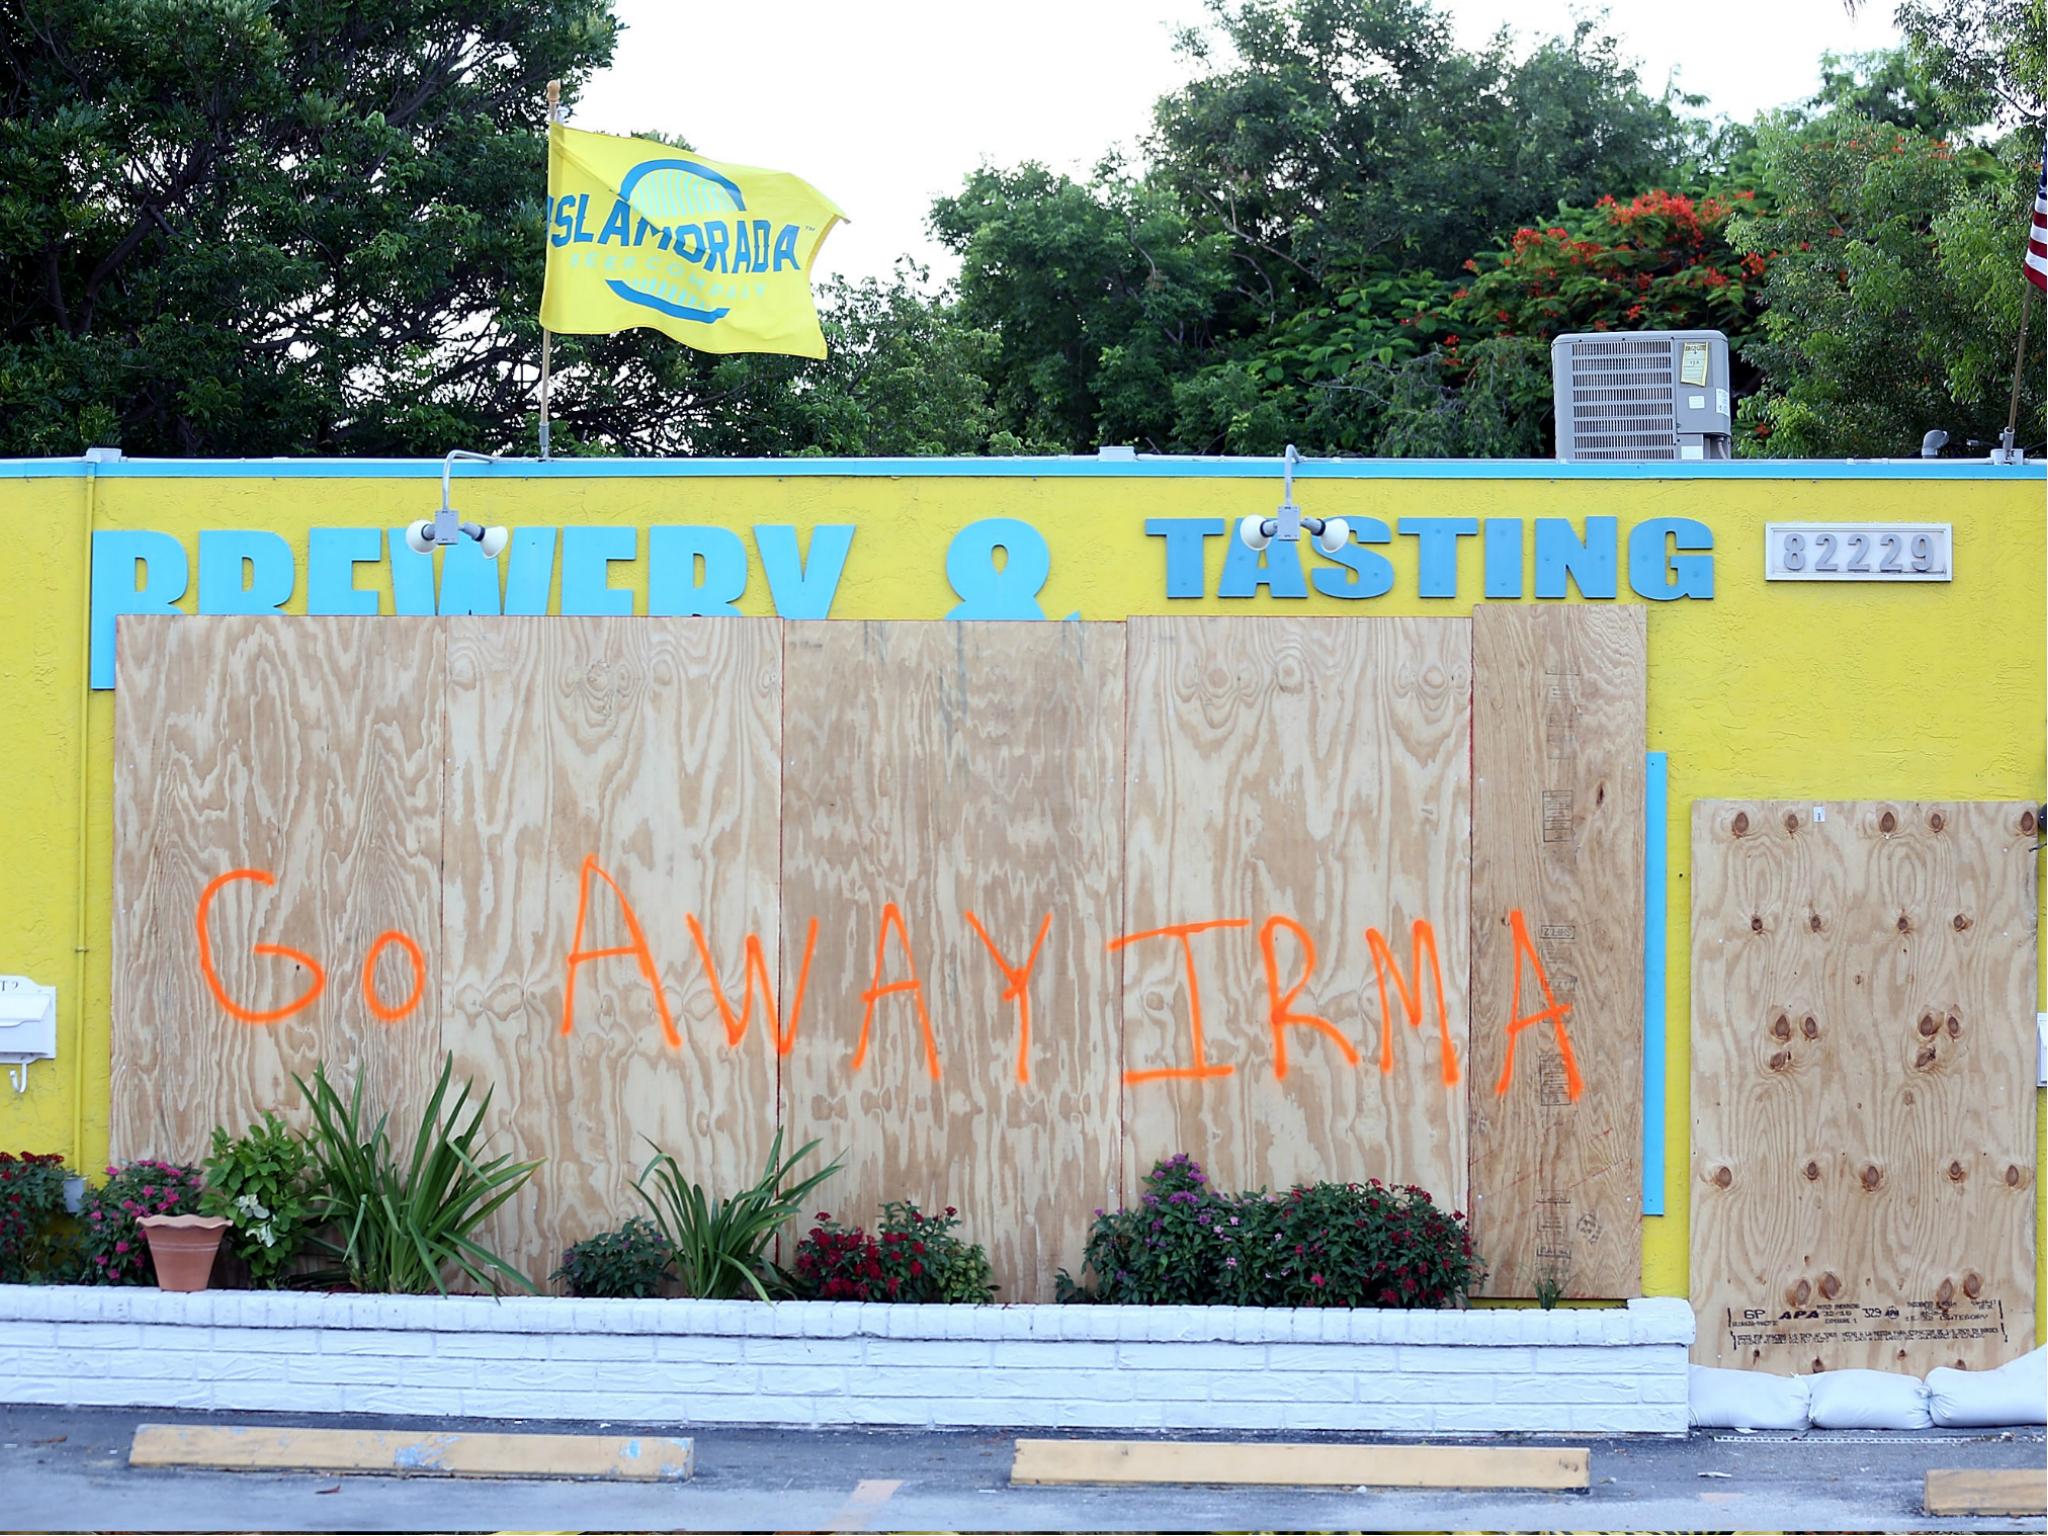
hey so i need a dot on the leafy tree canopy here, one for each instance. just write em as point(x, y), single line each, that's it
point(314, 226)
point(229, 227)
point(1301, 200)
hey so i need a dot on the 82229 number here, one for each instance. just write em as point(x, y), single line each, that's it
point(1857, 552)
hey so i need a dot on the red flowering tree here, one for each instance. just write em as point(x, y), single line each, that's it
point(1661, 261)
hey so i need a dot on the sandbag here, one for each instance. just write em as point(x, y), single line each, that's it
point(1718, 1398)
point(2015, 1393)
point(1868, 1400)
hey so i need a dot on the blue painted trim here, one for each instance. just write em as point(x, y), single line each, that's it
point(1656, 803)
point(1049, 468)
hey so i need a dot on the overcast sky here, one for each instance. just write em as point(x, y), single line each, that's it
point(884, 104)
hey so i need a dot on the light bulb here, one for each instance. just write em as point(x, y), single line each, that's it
point(419, 538)
point(1252, 530)
point(1335, 535)
point(495, 538)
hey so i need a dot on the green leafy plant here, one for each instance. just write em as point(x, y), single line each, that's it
point(402, 1228)
point(262, 1182)
point(115, 1250)
point(928, 1260)
point(627, 1261)
point(912, 1257)
point(1318, 1245)
point(720, 1246)
point(31, 1211)
point(1351, 1245)
point(1170, 1249)
point(1550, 1286)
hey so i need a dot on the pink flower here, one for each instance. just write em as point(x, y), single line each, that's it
point(1315, 1279)
point(121, 1246)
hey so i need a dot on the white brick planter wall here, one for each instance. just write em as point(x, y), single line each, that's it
point(1579, 1371)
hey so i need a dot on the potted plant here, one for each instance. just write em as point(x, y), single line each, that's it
point(183, 1249)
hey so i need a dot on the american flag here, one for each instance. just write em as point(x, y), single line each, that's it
point(2037, 237)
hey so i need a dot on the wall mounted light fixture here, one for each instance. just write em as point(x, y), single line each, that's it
point(447, 526)
point(1288, 525)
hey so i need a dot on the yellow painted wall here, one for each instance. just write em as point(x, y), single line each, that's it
point(1799, 690)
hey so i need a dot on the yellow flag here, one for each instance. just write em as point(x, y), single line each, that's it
point(717, 256)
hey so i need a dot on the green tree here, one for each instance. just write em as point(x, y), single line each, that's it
point(1893, 86)
point(240, 227)
point(902, 374)
point(236, 227)
point(1100, 294)
point(1301, 208)
point(1894, 307)
point(1326, 134)
point(1988, 59)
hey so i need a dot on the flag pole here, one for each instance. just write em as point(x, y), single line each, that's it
point(2006, 451)
point(547, 337)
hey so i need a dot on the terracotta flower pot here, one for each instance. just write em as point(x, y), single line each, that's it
point(183, 1249)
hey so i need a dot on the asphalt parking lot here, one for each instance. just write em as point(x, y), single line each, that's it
point(66, 1469)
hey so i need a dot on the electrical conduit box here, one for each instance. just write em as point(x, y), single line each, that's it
point(28, 1026)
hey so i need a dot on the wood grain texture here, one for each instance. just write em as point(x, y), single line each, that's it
point(1557, 834)
point(653, 745)
point(944, 769)
point(308, 748)
point(1316, 770)
point(414, 1452)
point(1985, 1491)
point(1863, 984)
point(1269, 1463)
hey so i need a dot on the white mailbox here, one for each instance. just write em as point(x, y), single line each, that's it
point(28, 1026)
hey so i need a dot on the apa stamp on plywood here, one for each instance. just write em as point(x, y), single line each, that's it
point(1839, 1322)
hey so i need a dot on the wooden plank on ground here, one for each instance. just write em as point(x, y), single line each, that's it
point(1863, 985)
point(1557, 837)
point(1975, 1491)
point(412, 1452)
point(1293, 777)
point(306, 753)
point(652, 746)
point(1299, 1465)
point(966, 777)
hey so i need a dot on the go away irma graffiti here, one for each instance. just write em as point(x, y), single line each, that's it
point(895, 977)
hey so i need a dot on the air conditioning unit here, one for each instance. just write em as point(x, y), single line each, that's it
point(1641, 395)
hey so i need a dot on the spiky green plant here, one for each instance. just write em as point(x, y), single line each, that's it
point(720, 1246)
point(401, 1229)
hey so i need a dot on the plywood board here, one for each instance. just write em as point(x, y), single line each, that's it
point(308, 751)
point(1557, 874)
point(967, 777)
point(1312, 772)
point(1863, 985)
point(652, 746)
point(413, 1452)
point(1302, 1465)
point(1976, 1491)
